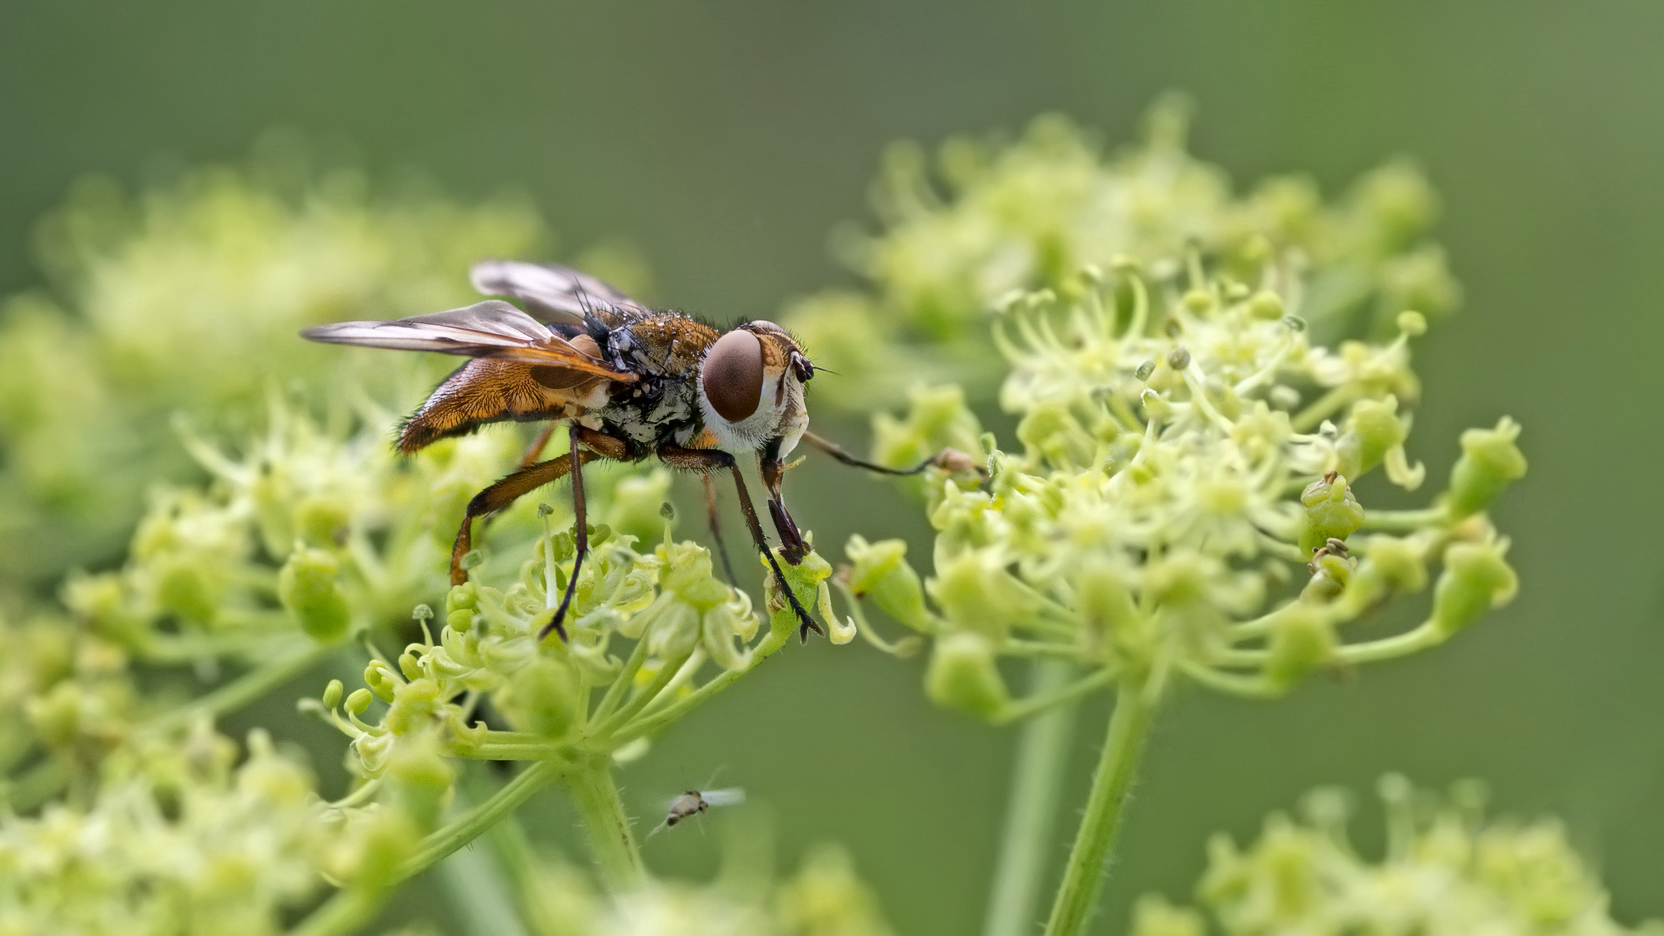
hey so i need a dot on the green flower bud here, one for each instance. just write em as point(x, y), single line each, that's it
point(414, 705)
point(389, 838)
point(332, 693)
point(1266, 306)
point(1331, 512)
point(976, 592)
point(379, 679)
point(1490, 460)
point(962, 675)
point(806, 580)
point(1476, 578)
point(1302, 640)
point(1105, 601)
point(185, 588)
point(1154, 916)
point(1331, 574)
point(359, 701)
point(420, 778)
point(881, 572)
point(1389, 565)
point(1372, 430)
point(272, 502)
point(322, 521)
point(541, 698)
point(56, 716)
point(310, 590)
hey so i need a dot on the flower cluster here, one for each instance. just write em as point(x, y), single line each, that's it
point(1185, 500)
point(178, 838)
point(642, 627)
point(1446, 871)
point(1184, 494)
point(995, 216)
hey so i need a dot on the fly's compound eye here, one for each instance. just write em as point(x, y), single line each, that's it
point(733, 375)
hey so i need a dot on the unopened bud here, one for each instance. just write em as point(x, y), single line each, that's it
point(1331, 512)
point(1372, 430)
point(880, 572)
point(962, 675)
point(1302, 640)
point(1476, 578)
point(541, 698)
point(1490, 460)
point(310, 590)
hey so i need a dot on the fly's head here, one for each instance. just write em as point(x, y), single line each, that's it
point(751, 388)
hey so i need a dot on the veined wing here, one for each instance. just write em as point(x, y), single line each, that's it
point(732, 796)
point(554, 292)
point(492, 328)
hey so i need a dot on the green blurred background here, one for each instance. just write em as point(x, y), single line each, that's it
point(725, 140)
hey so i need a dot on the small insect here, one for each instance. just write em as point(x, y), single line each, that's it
point(695, 802)
point(628, 382)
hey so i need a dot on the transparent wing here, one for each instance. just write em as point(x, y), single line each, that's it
point(554, 292)
point(733, 796)
point(492, 328)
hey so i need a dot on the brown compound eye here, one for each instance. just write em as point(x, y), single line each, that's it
point(733, 375)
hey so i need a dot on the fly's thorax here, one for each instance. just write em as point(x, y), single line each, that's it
point(750, 389)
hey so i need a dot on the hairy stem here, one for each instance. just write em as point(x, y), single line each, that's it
point(1083, 876)
point(611, 842)
point(1036, 785)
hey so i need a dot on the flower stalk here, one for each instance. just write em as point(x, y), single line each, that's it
point(1129, 728)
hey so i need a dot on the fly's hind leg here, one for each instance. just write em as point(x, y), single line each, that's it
point(714, 459)
point(716, 527)
point(511, 488)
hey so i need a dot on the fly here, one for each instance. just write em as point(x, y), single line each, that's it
point(628, 383)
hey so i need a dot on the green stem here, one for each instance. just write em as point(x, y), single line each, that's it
point(1083, 875)
point(1036, 786)
point(610, 839)
point(1391, 648)
point(345, 913)
point(1040, 701)
point(460, 832)
point(675, 710)
point(247, 688)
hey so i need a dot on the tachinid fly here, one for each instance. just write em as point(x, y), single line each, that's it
point(628, 382)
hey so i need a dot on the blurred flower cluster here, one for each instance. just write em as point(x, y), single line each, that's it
point(1446, 871)
point(825, 898)
point(992, 216)
point(187, 299)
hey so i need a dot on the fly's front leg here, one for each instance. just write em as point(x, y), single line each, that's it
point(947, 459)
point(792, 545)
point(713, 459)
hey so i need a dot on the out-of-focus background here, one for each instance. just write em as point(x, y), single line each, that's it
point(723, 143)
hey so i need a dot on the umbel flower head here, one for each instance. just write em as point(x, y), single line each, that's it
point(1446, 871)
point(1189, 494)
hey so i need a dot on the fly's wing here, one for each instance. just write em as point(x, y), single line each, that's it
point(492, 328)
point(555, 293)
point(729, 797)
